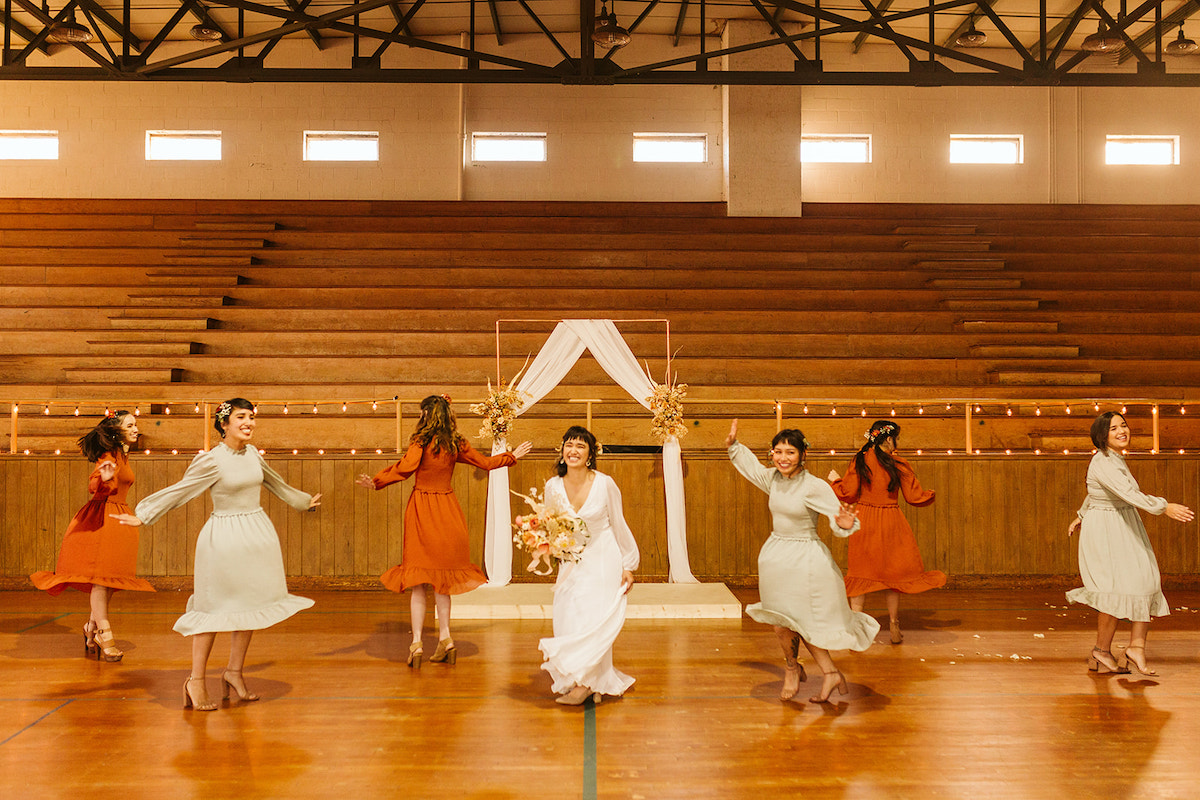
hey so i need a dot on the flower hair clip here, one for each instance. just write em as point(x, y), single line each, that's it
point(445, 397)
point(223, 412)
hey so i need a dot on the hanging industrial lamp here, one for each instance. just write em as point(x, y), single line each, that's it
point(205, 31)
point(606, 32)
point(971, 37)
point(68, 31)
point(1181, 46)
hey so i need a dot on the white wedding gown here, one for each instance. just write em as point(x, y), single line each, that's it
point(589, 606)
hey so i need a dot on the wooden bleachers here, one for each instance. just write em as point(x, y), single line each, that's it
point(178, 301)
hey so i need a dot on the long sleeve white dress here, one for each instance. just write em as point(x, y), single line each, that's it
point(1116, 562)
point(238, 581)
point(799, 584)
point(589, 606)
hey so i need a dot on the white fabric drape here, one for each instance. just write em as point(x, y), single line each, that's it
point(564, 347)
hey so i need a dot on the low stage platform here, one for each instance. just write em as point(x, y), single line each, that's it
point(646, 601)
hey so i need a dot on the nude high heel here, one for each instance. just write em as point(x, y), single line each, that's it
point(1137, 665)
point(1102, 662)
point(578, 695)
point(107, 646)
point(827, 687)
point(242, 692)
point(415, 651)
point(894, 630)
point(191, 702)
point(89, 640)
point(446, 651)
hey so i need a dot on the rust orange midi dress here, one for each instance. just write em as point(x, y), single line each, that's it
point(96, 549)
point(436, 550)
point(884, 554)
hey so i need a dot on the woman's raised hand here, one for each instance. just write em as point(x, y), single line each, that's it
point(365, 480)
point(833, 476)
point(127, 519)
point(106, 469)
point(732, 437)
point(846, 516)
point(626, 581)
point(1074, 526)
point(316, 501)
point(1179, 513)
point(522, 449)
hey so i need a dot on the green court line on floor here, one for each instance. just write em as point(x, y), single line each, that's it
point(589, 750)
point(36, 721)
point(44, 622)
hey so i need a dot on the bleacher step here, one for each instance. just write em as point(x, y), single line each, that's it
point(1025, 351)
point(236, 225)
point(181, 300)
point(1007, 326)
point(203, 260)
point(989, 304)
point(950, 245)
point(178, 277)
point(117, 375)
point(223, 243)
point(1047, 378)
point(974, 283)
point(965, 264)
point(133, 346)
point(935, 230)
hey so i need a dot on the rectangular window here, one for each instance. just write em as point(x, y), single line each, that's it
point(29, 145)
point(691, 148)
point(183, 145)
point(508, 147)
point(1160, 150)
point(820, 148)
point(341, 145)
point(987, 149)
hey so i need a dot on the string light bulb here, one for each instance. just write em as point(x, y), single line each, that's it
point(893, 412)
point(1037, 411)
point(174, 452)
point(167, 410)
point(1007, 452)
point(1182, 410)
point(978, 410)
point(864, 412)
point(1068, 411)
point(1122, 409)
point(833, 411)
point(1154, 410)
point(353, 451)
point(1096, 406)
point(77, 411)
point(1037, 452)
point(806, 408)
point(920, 409)
point(196, 410)
point(295, 452)
point(107, 412)
point(378, 451)
point(137, 411)
point(343, 407)
point(947, 406)
point(285, 408)
point(374, 405)
point(321, 452)
point(57, 452)
point(314, 408)
point(1008, 410)
point(46, 409)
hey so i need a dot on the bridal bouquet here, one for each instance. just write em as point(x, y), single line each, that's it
point(549, 534)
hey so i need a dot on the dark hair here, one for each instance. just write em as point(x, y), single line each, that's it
point(438, 423)
point(1100, 428)
point(105, 438)
point(584, 435)
point(220, 419)
point(881, 431)
point(792, 436)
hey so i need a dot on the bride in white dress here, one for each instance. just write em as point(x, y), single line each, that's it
point(590, 594)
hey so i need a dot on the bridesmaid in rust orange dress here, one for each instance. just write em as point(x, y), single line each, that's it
point(884, 554)
point(435, 531)
point(98, 554)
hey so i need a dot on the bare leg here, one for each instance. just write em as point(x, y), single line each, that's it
point(239, 643)
point(99, 597)
point(893, 607)
point(856, 603)
point(443, 614)
point(1106, 628)
point(793, 670)
point(833, 678)
point(416, 607)
point(195, 690)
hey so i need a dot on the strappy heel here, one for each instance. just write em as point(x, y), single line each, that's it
point(828, 688)
point(89, 640)
point(1137, 666)
point(191, 702)
point(107, 646)
point(894, 630)
point(446, 651)
point(578, 696)
point(415, 651)
point(244, 694)
point(1102, 662)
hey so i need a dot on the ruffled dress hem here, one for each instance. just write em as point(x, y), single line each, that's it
point(932, 579)
point(858, 637)
point(614, 684)
point(1135, 608)
point(194, 622)
point(444, 581)
point(56, 584)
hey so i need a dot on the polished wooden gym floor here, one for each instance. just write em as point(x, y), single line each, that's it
point(988, 697)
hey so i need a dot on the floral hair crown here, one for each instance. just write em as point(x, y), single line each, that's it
point(885, 431)
point(223, 412)
point(445, 397)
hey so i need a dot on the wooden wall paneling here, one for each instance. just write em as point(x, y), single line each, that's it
point(46, 505)
point(8, 469)
point(327, 523)
point(950, 541)
point(358, 529)
point(377, 521)
point(310, 526)
point(291, 538)
point(704, 532)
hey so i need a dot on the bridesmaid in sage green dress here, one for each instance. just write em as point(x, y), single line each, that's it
point(803, 595)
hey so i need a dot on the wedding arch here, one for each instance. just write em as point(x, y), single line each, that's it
point(567, 343)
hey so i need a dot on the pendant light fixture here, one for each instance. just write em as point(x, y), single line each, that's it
point(606, 32)
point(1181, 46)
point(971, 37)
point(68, 31)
